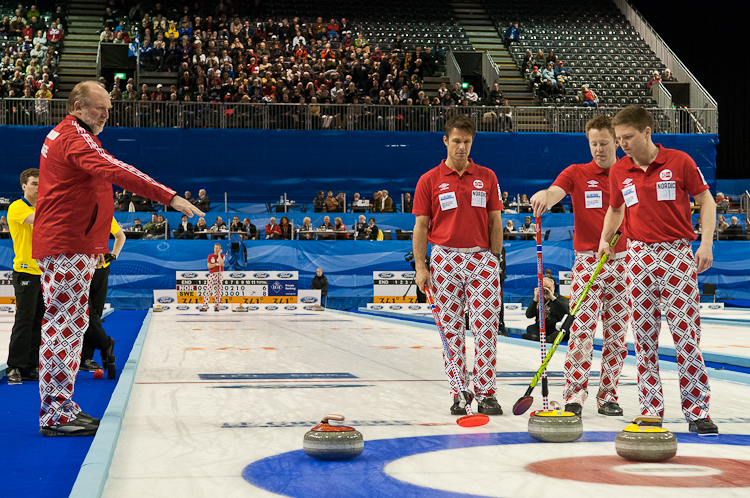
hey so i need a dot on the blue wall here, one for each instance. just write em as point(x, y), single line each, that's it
point(148, 265)
point(263, 164)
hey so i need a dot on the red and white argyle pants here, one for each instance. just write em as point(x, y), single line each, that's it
point(667, 271)
point(66, 280)
point(213, 288)
point(607, 298)
point(473, 279)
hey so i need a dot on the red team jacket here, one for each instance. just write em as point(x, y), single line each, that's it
point(74, 205)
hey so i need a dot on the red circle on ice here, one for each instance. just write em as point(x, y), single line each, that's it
point(676, 471)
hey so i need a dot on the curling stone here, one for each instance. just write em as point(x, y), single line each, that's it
point(555, 425)
point(645, 441)
point(318, 307)
point(240, 309)
point(158, 308)
point(333, 442)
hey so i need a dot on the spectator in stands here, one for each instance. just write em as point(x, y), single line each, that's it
point(359, 228)
point(527, 226)
point(722, 203)
point(155, 229)
point(107, 35)
point(372, 231)
point(398, 44)
point(272, 230)
point(539, 59)
point(552, 58)
point(4, 224)
point(654, 79)
point(555, 309)
point(306, 231)
point(341, 200)
point(668, 76)
point(43, 92)
point(319, 281)
point(721, 224)
point(559, 90)
point(496, 96)
point(408, 203)
point(189, 197)
point(185, 229)
point(509, 229)
point(734, 231)
point(545, 89)
point(4, 28)
point(341, 228)
point(527, 63)
point(252, 232)
point(587, 97)
point(548, 73)
point(286, 230)
point(331, 203)
point(512, 35)
point(362, 43)
point(203, 203)
point(458, 93)
point(218, 227)
point(325, 226)
point(384, 204)
point(201, 227)
point(319, 203)
point(561, 72)
point(535, 76)
point(471, 95)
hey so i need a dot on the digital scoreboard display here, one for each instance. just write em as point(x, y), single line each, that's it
point(241, 287)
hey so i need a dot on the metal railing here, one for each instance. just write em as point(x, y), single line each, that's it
point(175, 114)
point(699, 97)
point(490, 71)
point(661, 95)
point(452, 69)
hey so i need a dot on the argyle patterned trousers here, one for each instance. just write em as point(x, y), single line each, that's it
point(667, 272)
point(213, 288)
point(473, 279)
point(66, 279)
point(607, 298)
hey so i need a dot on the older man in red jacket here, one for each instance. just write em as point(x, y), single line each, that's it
point(75, 183)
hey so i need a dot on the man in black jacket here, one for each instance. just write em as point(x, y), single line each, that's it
point(185, 229)
point(319, 281)
point(555, 308)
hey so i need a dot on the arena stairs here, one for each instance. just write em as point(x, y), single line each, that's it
point(484, 36)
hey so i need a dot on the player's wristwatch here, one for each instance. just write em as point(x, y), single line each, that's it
point(499, 256)
point(109, 257)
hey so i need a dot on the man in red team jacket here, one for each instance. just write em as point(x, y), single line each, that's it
point(588, 186)
point(458, 210)
point(75, 185)
point(653, 184)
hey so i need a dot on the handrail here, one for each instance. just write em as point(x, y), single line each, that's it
point(452, 69)
point(258, 116)
point(490, 71)
point(662, 95)
point(699, 97)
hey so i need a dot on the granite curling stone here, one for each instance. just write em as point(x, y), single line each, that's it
point(333, 442)
point(646, 444)
point(555, 426)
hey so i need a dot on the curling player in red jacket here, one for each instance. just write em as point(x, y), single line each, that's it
point(71, 229)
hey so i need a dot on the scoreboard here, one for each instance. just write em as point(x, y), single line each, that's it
point(391, 286)
point(241, 287)
point(7, 292)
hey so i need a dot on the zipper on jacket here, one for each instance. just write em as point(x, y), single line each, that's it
point(93, 218)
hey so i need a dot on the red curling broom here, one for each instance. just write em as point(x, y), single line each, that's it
point(471, 419)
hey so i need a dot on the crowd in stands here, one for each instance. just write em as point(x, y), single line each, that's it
point(549, 78)
point(217, 56)
point(381, 203)
point(30, 55)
